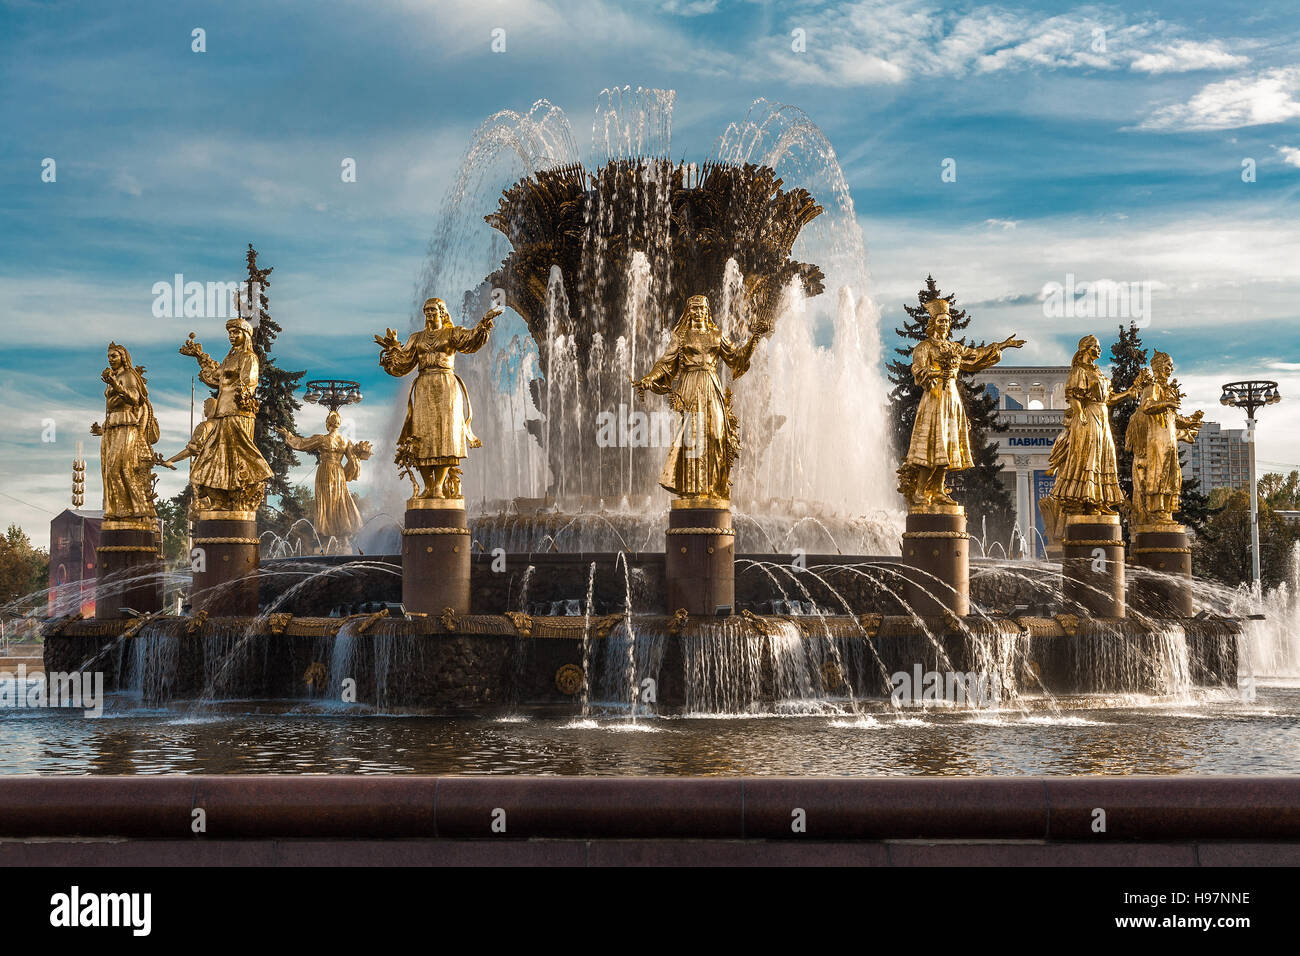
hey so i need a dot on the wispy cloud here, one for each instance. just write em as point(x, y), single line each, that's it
point(1290, 155)
point(1269, 97)
point(890, 41)
point(1186, 57)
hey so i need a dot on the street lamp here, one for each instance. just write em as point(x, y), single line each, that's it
point(1251, 395)
point(332, 393)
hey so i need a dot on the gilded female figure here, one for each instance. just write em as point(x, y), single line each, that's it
point(229, 470)
point(1083, 456)
point(1153, 435)
point(708, 439)
point(129, 432)
point(941, 433)
point(437, 432)
point(339, 461)
point(192, 449)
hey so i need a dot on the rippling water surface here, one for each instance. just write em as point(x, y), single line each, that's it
point(1215, 735)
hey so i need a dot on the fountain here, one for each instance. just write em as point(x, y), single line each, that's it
point(555, 575)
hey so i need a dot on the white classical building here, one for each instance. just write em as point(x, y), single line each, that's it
point(1031, 409)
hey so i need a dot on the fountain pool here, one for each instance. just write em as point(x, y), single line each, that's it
point(1215, 734)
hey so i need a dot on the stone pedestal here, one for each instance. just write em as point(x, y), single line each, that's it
point(435, 556)
point(1166, 549)
point(224, 558)
point(700, 556)
point(936, 552)
point(128, 572)
point(1092, 569)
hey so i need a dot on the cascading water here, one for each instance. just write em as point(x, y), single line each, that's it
point(152, 663)
point(343, 660)
point(585, 709)
point(1271, 647)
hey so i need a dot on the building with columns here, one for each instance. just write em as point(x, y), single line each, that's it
point(1031, 413)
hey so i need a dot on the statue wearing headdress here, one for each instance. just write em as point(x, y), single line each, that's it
point(1083, 455)
point(437, 433)
point(941, 433)
point(335, 513)
point(707, 442)
point(228, 469)
point(129, 432)
point(1153, 435)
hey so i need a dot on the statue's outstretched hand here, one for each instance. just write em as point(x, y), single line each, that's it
point(489, 316)
point(389, 341)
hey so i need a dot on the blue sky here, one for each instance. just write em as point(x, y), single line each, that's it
point(1119, 162)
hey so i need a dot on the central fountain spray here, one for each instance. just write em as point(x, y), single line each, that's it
point(597, 257)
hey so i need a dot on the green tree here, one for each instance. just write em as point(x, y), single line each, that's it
point(1222, 548)
point(23, 568)
point(276, 407)
point(1281, 493)
point(1127, 359)
point(174, 512)
point(988, 503)
point(1195, 507)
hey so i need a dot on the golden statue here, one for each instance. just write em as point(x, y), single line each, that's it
point(941, 434)
point(227, 469)
point(127, 437)
point(437, 434)
point(1083, 455)
point(338, 461)
point(708, 440)
point(192, 448)
point(1153, 435)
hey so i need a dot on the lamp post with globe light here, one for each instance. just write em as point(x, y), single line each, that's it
point(333, 393)
point(1251, 395)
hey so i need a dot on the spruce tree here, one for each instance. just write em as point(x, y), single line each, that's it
point(276, 406)
point(1127, 359)
point(989, 506)
point(1194, 508)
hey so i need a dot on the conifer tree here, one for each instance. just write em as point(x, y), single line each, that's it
point(276, 404)
point(989, 506)
point(1127, 359)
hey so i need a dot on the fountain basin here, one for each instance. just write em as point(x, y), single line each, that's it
point(648, 664)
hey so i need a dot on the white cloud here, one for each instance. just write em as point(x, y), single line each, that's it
point(689, 8)
point(1003, 224)
point(1268, 97)
point(880, 42)
point(1187, 56)
point(1290, 155)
